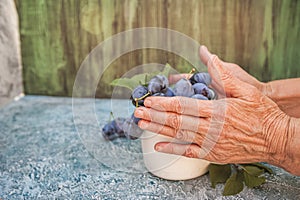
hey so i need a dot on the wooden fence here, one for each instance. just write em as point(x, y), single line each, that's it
point(262, 36)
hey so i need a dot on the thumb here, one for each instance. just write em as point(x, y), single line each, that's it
point(204, 54)
point(226, 82)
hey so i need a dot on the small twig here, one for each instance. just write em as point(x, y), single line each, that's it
point(111, 116)
point(142, 97)
point(192, 71)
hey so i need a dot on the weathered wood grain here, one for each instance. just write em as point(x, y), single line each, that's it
point(263, 36)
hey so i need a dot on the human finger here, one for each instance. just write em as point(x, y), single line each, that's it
point(226, 82)
point(174, 120)
point(179, 134)
point(235, 71)
point(204, 54)
point(181, 105)
point(188, 150)
point(173, 78)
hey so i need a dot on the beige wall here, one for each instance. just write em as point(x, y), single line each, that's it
point(10, 59)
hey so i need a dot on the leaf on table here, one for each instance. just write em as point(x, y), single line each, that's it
point(234, 184)
point(262, 166)
point(253, 170)
point(218, 173)
point(253, 181)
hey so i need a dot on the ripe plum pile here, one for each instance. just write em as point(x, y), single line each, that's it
point(194, 87)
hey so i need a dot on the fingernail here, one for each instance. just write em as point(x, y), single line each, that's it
point(158, 147)
point(141, 124)
point(138, 113)
point(148, 102)
point(205, 48)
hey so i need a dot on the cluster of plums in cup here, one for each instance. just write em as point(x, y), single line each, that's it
point(194, 87)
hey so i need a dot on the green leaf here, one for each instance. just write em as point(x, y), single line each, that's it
point(253, 181)
point(218, 173)
point(125, 82)
point(140, 79)
point(234, 184)
point(166, 70)
point(149, 76)
point(262, 166)
point(253, 170)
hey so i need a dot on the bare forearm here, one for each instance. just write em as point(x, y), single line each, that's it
point(287, 155)
point(293, 147)
point(286, 94)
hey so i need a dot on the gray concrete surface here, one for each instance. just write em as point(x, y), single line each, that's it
point(42, 156)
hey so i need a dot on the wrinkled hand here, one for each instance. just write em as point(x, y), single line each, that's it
point(234, 69)
point(247, 127)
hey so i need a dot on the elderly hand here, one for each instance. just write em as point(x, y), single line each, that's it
point(285, 93)
point(235, 70)
point(247, 127)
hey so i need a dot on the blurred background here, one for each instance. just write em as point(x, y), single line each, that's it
point(262, 36)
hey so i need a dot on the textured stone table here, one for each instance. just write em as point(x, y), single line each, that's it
point(42, 156)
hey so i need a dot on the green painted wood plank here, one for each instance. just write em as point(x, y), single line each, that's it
point(263, 36)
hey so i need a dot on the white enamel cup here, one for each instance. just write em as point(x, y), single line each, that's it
point(169, 166)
